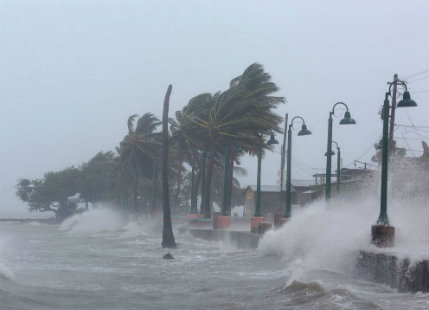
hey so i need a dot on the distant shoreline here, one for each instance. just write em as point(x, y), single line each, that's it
point(46, 221)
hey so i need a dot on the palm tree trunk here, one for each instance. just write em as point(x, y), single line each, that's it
point(167, 230)
point(176, 204)
point(194, 198)
point(206, 203)
point(124, 188)
point(230, 180)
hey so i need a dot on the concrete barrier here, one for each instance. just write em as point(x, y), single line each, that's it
point(254, 223)
point(264, 227)
point(398, 273)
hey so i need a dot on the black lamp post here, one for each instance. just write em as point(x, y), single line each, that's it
point(347, 120)
point(303, 132)
point(338, 164)
point(382, 233)
point(272, 140)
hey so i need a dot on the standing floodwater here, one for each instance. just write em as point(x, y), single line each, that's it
point(97, 261)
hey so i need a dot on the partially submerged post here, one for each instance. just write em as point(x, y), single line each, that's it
point(167, 231)
point(382, 233)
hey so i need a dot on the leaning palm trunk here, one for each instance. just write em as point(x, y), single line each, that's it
point(167, 231)
point(229, 184)
point(206, 203)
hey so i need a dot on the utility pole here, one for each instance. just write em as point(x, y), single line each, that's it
point(392, 113)
point(282, 160)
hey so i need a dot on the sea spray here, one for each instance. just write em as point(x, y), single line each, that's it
point(327, 237)
point(5, 271)
point(93, 221)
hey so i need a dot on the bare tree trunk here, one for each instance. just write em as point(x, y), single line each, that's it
point(207, 205)
point(167, 231)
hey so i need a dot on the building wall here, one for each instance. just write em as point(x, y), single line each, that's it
point(271, 202)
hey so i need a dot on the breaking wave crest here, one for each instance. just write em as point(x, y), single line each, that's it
point(5, 271)
point(313, 295)
point(94, 221)
point(321, 237)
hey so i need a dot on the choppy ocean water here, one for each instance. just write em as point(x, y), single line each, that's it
point(100, 260)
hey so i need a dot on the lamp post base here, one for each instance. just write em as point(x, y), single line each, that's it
point(215, 217)
point(382, 236)
point(264, 227)
point(277, 220)
point(284, 220)
point(223, 221)
point(192, 216)
point(254, 223)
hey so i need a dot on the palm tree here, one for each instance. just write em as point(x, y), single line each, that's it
point(241, 113)
point(186, 151)
point(138, 150)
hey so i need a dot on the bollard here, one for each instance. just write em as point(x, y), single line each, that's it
point(223, 221)
point(264, 227)
point(382, 235)
point(254, 223)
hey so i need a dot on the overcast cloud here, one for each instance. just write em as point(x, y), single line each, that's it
point(71, 72)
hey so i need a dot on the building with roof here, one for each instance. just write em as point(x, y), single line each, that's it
point(272, 200)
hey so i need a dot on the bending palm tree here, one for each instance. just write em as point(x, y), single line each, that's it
point(138, 150)
point(239, 114)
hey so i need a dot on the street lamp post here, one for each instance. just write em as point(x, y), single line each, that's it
point(338, 166)
point(382, 233)
point(257, 215)
point(303, 132)
point(338, 169)
point(347, 120)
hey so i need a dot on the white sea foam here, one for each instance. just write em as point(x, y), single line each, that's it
point(327, 237)
point(93, 221)
point(5, 271)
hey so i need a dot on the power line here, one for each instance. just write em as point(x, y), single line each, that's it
point(364, 153)
point(400, 138)
point(406, 142)
point(419, 79)
point(414, 126)
point(420, 91)
point(414, 74)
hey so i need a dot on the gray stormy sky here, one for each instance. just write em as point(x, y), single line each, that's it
point(71, 72)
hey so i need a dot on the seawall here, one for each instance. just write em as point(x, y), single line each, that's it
point(401, 273)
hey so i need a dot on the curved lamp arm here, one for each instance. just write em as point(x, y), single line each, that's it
point(333, 108)
point(400, 82)
point(291, 122)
